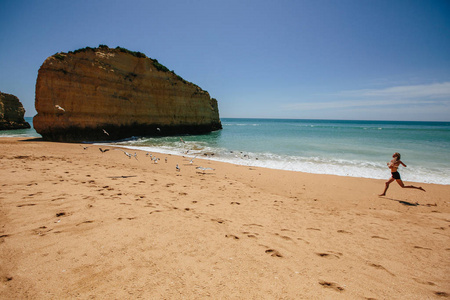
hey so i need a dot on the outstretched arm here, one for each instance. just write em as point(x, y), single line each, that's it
point(402, 164)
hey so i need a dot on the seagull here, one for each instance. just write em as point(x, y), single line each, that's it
point(204, 169)
point(128, 154)
point(59, 107)
point(159, 129)
point(105, 132)
point(155, 160)
point(166, 160)
point(192, 160)
point(85, 147)
point(178, 168)
point(103, 150)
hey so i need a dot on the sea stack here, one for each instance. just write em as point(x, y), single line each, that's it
point(99, 94)
point(11, 113)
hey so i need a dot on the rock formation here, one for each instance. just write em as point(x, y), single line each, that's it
point(11, 113)
point(109, 94)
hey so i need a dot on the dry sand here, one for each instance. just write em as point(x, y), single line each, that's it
point(78, 223)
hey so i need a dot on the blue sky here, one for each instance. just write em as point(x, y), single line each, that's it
point(306, 59)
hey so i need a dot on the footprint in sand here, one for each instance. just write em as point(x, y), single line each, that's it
point(329, 254)
point(331, 285)
point(250, 234)
point(274, 253)
point(379, 237)
point(310, 228)
point(6, 278)
point(43, 230)
point(232, 236)
point(380, 267)
point(29, 204)
point(424, 282)
point(303, 240)
point(85, 222)
point(418, 247)
point(220, 221)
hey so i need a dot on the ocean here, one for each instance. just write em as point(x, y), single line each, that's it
point(338, 147)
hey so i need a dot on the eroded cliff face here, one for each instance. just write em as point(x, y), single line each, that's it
point(11, 113)
point(109, 94)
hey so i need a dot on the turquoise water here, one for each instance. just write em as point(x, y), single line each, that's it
point(348, 148)
point(30, 132)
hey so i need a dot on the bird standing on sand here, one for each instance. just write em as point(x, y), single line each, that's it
point(178, 168)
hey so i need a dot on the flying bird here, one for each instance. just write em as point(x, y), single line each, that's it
point(59, 107)
point(103, 150)
point(104, 131)
point(128, 154)
point(204, 169)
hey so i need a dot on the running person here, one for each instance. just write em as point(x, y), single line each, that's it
point(393, 165)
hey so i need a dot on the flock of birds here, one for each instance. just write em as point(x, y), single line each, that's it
point(152, 157)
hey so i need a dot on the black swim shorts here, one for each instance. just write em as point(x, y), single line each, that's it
point(396, 175)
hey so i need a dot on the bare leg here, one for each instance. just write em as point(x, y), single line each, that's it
point(400, 182)
point(387, 186)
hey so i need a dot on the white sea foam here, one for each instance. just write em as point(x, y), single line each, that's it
point(314, 165)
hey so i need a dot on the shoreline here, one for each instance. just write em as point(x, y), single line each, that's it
point(253, 163)
point(82, 223)
point(368, 167)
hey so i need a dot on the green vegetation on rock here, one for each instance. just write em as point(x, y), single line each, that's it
point(156, 64)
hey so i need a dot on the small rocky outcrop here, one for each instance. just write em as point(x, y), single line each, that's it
point(109, 94)
point(11, 113)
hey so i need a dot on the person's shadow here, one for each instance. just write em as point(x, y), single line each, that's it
point(404, 202)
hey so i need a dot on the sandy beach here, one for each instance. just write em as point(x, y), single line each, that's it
point(79, 223)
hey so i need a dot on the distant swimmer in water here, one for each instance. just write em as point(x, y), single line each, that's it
point(393, 165)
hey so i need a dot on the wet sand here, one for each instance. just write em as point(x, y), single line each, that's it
point(79, 223)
